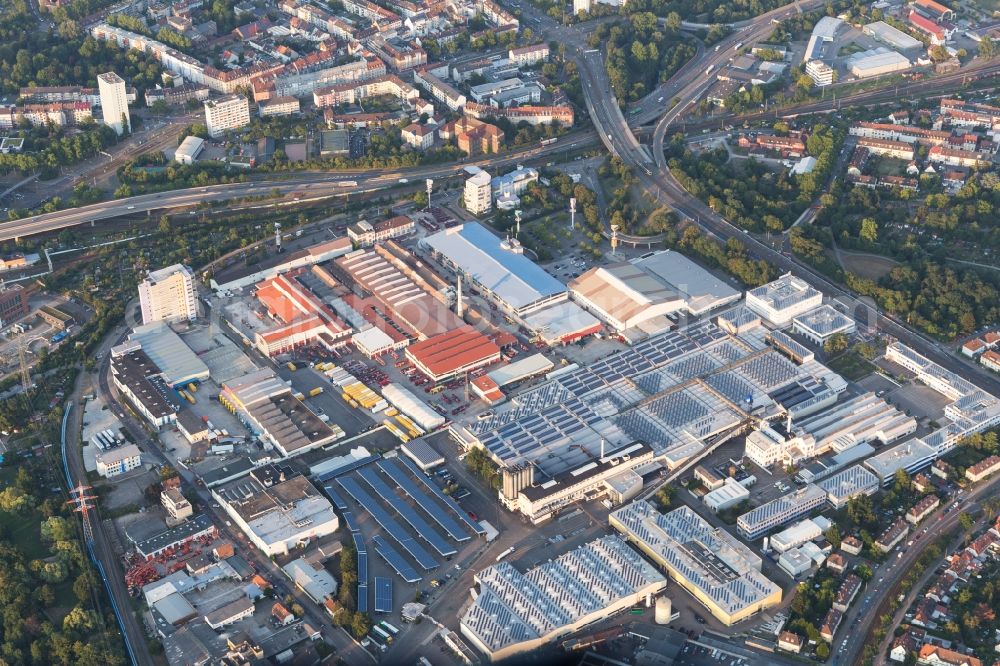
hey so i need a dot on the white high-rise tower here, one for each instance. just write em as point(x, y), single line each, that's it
point(114, 102)
point(169, 295)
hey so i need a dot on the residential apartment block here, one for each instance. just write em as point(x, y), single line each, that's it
point(226, 113)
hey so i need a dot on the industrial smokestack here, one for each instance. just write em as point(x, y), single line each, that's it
point(458, 297)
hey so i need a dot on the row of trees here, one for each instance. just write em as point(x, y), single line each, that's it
point(706, 11)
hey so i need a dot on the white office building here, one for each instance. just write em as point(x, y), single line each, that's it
point(226, 113)
point(114, 102)
point(795, 535)
point(820, 72)
point(822, 323)
point(784, 299)
point(770, 446)
point(478, 191)
point(168, 295)
point(731, 493)
point(118, 460)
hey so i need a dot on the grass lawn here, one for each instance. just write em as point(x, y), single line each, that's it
point(869, 266)
point(851, 365)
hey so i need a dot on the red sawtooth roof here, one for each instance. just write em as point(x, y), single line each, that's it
point(448, 352)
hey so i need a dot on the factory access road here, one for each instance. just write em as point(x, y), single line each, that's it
point(299, 187)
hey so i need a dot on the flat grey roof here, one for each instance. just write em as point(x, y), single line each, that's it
point(700, 289)
point(177, 361)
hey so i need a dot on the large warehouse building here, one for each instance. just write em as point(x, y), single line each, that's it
point(453, 354)
point(877, 62)
point(865, 418)
point(893, 37)
point(513, 612)
point(713, 566)
point(178, 364)
point(384, 272)
point(302, 318)
point(265, 404)
point(277, 509)
point(642, 294)
point(520, 287)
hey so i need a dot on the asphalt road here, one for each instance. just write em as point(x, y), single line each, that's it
point(304, 187)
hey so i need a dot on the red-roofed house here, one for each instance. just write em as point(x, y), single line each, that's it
point(935, 31)
point(990, 359)
point(281, 615)
point(932, 655)
point(983, 468)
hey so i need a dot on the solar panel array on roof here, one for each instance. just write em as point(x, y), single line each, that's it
point(383, 595)
point(387, 522)
point(395, 560)
point(440, 516)
point(362, 550)
point(769, 370)
point(550, 430)
point(349, 521)
point(416, 521)
point(448, 501)
point(334, 496)
point(791, 394)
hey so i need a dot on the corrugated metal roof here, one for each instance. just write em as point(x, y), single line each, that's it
point(514, 278)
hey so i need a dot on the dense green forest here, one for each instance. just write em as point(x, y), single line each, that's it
point(32, 56)
point(640, 53)
point(749, 194)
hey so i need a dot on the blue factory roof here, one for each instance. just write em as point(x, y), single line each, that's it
point(513, 277)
